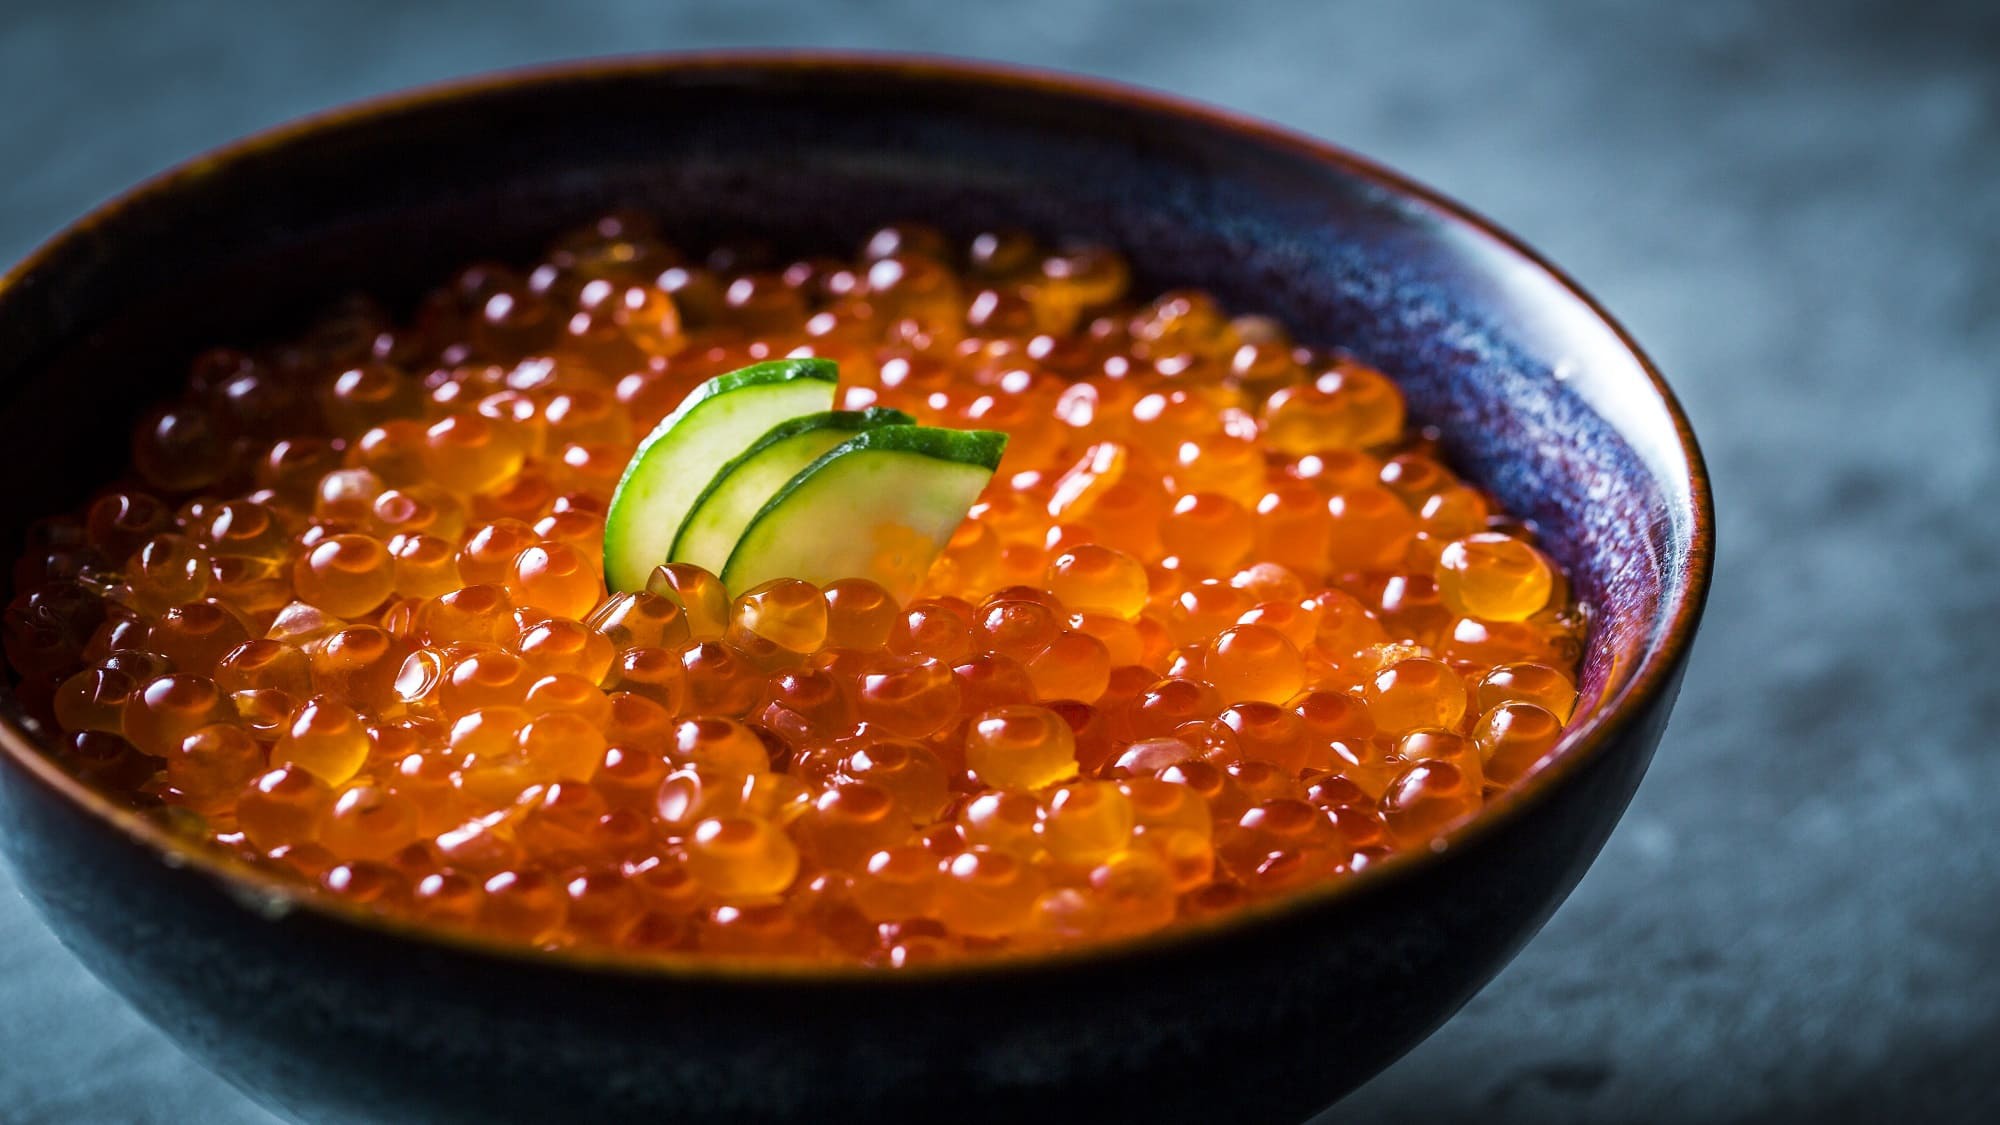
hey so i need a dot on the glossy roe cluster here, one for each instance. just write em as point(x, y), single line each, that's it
point(1224, 625)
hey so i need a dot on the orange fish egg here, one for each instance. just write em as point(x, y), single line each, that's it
point(1224, 625)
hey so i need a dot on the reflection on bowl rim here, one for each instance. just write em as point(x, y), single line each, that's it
point(272, 896)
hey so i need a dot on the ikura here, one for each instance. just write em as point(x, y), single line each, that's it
point(1224, 625)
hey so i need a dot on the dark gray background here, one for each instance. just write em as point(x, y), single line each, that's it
point(1795, 206)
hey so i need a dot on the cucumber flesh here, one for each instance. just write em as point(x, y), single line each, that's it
point(881, 505)
point(725, 508)
point(676, 462)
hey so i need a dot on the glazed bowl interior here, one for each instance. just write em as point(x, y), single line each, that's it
point(1539, 396)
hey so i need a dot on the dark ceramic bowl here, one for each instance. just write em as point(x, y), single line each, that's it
point(1269, 1015)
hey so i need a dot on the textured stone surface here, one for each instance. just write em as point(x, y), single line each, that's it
point(1791, 204)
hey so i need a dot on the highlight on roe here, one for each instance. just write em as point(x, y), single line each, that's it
point(1219, 623)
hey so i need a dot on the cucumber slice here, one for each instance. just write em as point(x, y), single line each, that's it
point(678, 459)
point(718, 516)
point(880, 505)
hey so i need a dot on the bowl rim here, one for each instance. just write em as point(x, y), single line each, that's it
point(1683, 592)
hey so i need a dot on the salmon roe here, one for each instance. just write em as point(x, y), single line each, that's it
point(1224, 625)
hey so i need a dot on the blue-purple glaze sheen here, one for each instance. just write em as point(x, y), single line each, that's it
point(1267, 1018)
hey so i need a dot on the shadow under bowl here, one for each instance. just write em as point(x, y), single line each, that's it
point(333, 1016)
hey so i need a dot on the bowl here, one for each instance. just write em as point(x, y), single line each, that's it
point(329, 1014)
